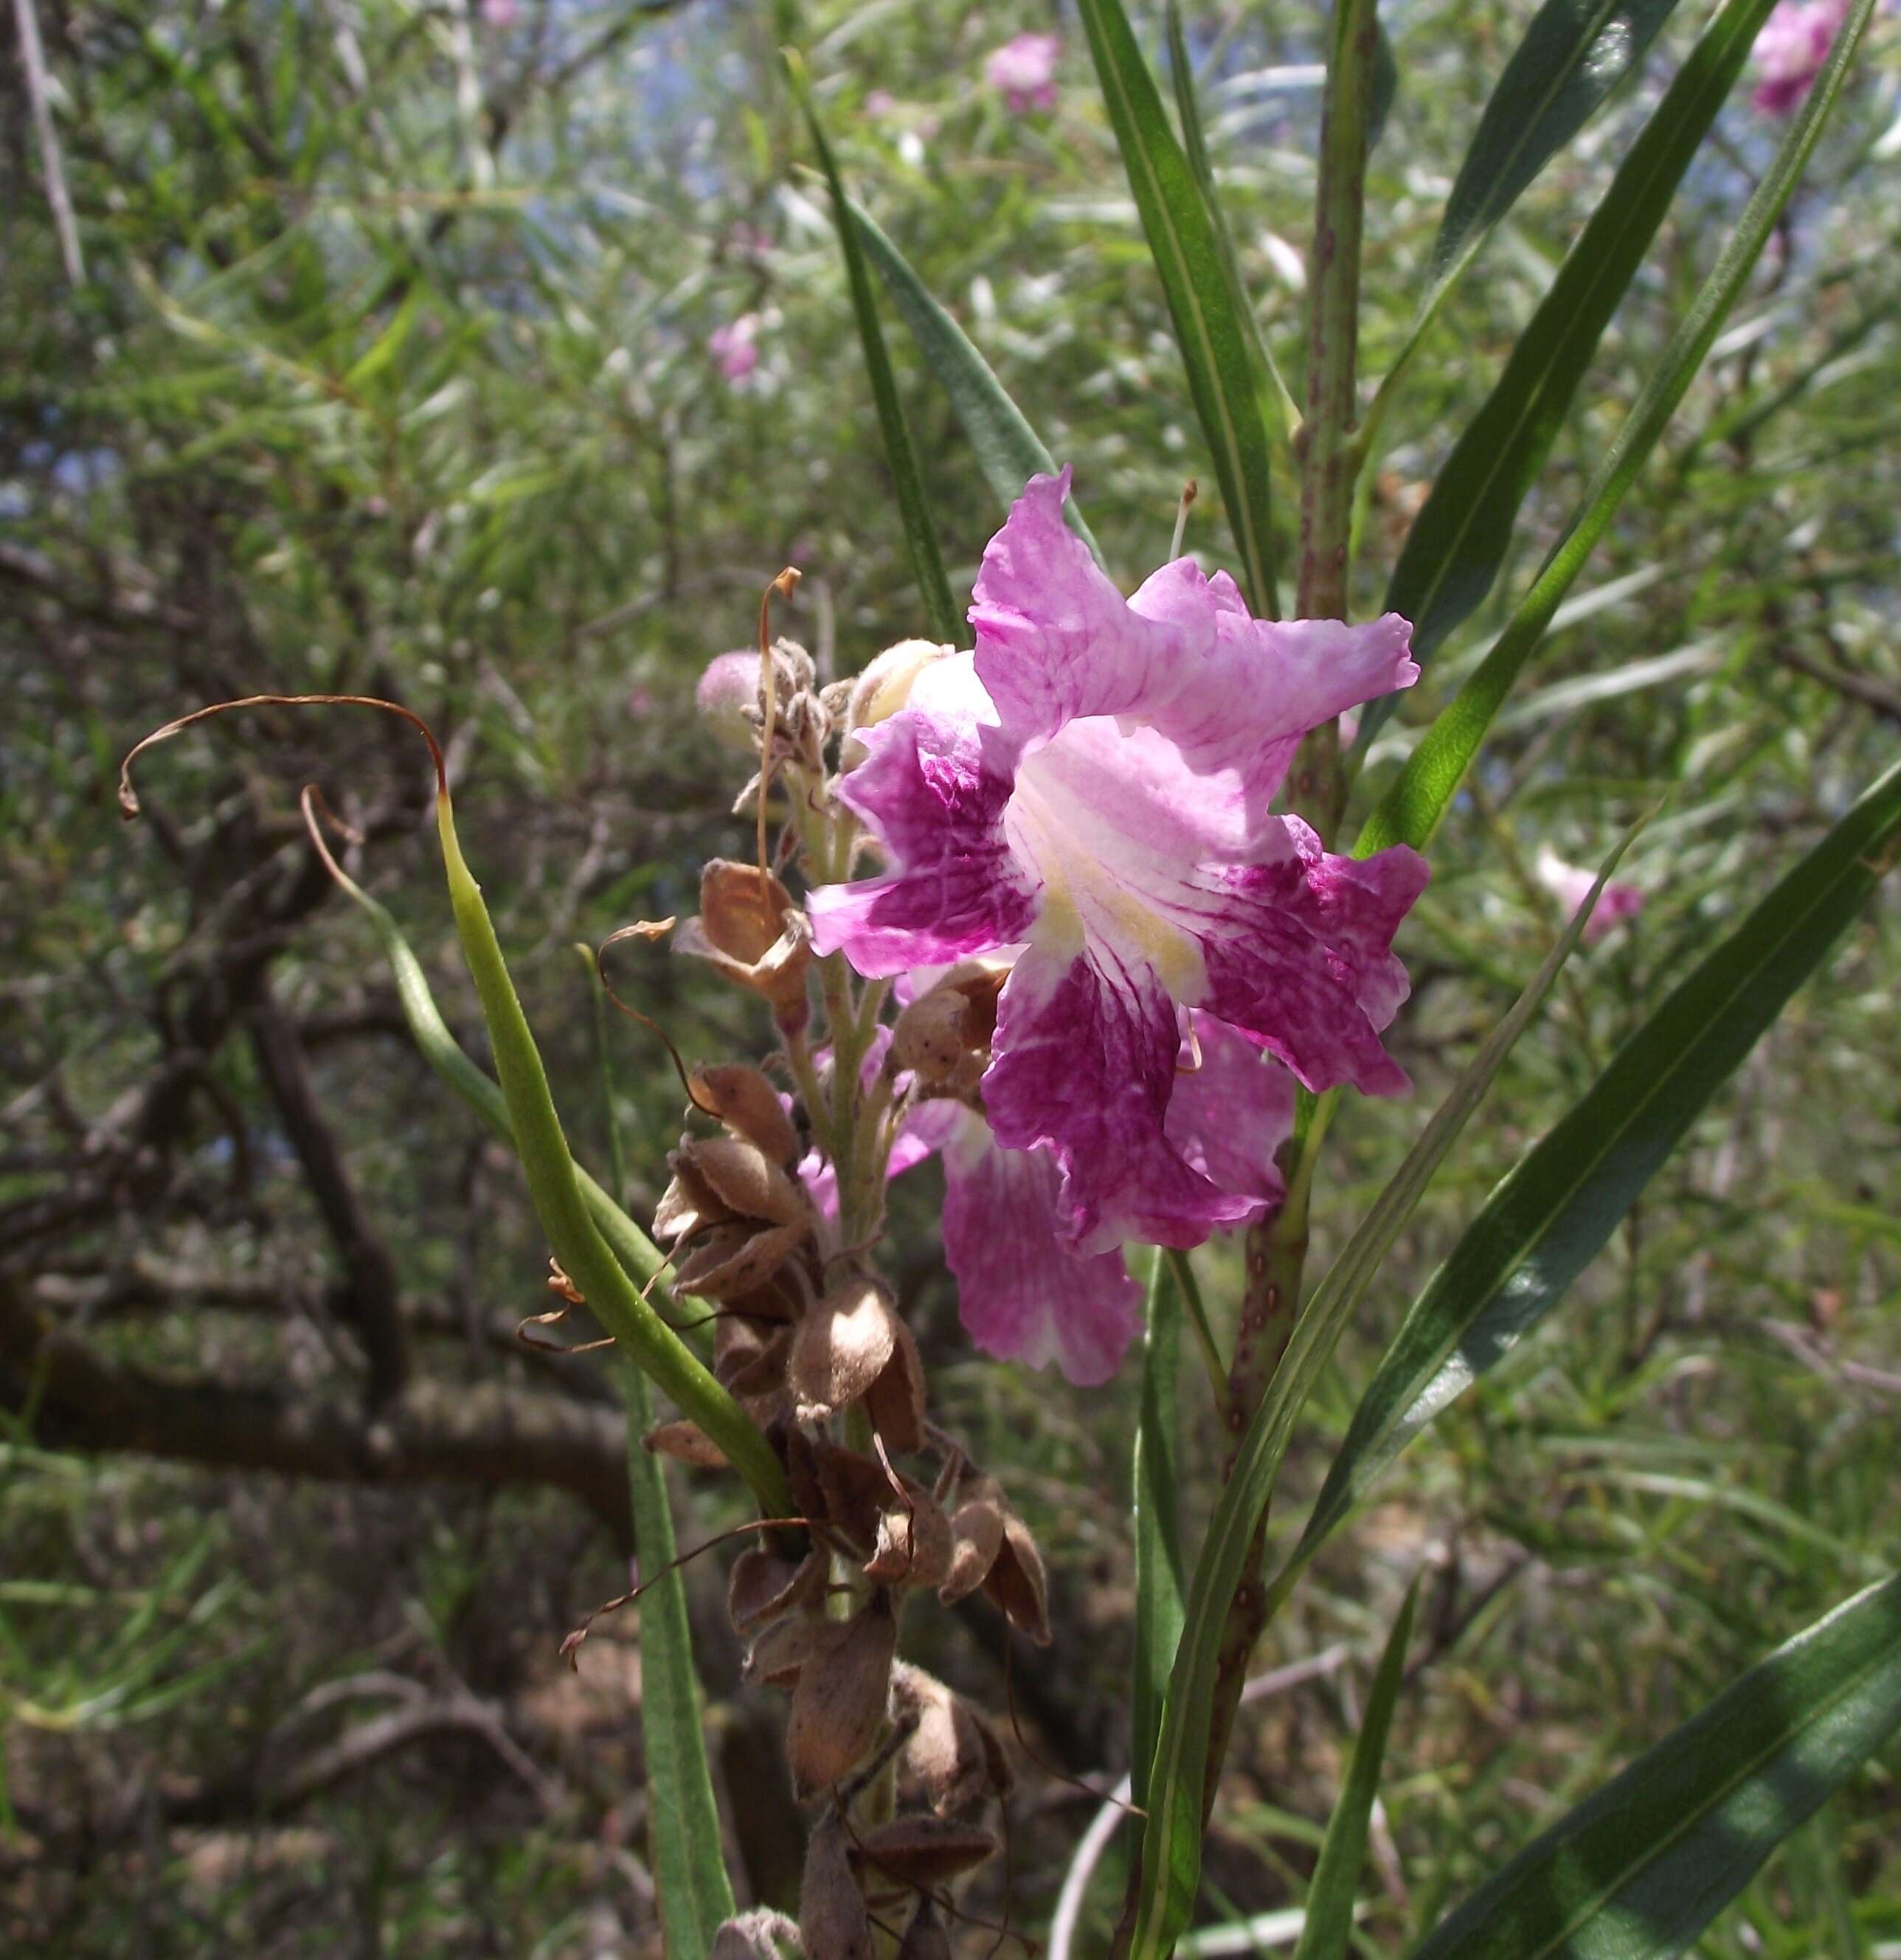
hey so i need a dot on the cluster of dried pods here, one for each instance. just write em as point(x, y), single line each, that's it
point(758, 1220)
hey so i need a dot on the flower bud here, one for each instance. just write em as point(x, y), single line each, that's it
point(883, 688)
point(727, 697)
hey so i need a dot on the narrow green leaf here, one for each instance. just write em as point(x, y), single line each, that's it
point(1574, 54)
point(1158, 1555)
point(1410, 810)
point(1184, 243)
point(1637, 1870)
point(920, 533)
point(1337, 1875)
point(1171, 1839)
point(1548, 1218)
point(683, 1812)
point(1008, 451)
point(1460, 538)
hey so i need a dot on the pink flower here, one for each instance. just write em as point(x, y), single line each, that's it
point(1571, 884)
point(1789, 53)
point(727, 690)
point(734, 347)
point(499, 13)
point(1024, 1294)
point(1092, 784)
point(1024, 71)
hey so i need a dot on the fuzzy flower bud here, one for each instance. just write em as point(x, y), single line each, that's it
point(727, 690)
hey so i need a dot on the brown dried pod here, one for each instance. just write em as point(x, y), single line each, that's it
point(782, 1648)
point(951, 1761)
point(895, 1402)
point(913, 1544)
point(841, 1348)
point(734, 1260)
point(763, 1378)
point(688, 1443)
point(838, 1707)
point(764, 1584)
point(746, 1180)
point(832, 1920)
point(976, 1531)
point(853, 1492)
point(739, 1096)
point(761, 1934)
point(688, 1205)
point(922, 1852)
point(749, 929)
point(1017, 1584)
point(925, 1938)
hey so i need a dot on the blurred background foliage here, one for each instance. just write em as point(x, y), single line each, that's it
point(389, 371)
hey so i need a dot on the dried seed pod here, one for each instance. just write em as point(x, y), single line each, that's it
point(764, 1586)
point(913, 1541)
point(832, 1920)
point(838, 1707)
point(841, 1348)
point(925, 1938)
point(977, 1532)
point(689, 1204)
point(896, 1400)
point(749, 929)
point(745, 1180)
point(688, 1443)
point(1017, 1584)
point(853, 1492)
point(740, 1097)
point(779, 1653)
point(921, 1852)
point(734, 1260)
point(951, 1761)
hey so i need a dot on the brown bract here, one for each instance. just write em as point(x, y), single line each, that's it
point(740, 1097)
point(734, 1260)
point(764, 1584)
point(952, 1761)
point(748, 929)
point(839, 1703)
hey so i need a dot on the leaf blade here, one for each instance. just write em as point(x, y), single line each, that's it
point(1183, 242)
point(1158, 1557)
point(1549, 1217)
point(1640, 1868)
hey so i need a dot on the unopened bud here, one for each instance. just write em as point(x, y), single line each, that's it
point(727, 697)
point(883, 688)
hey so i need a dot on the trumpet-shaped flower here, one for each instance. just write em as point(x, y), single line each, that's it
point(1789, 52)
point(1093, 784)
point(1571, 884)
point(1024, 71)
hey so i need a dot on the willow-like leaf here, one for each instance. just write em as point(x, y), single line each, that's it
point(1158, 1555)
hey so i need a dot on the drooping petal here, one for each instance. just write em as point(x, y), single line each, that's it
point(1085, 1064)
point(1022, 1295)
point(1229, 1116)
point(929, 792)
point(1299, 957)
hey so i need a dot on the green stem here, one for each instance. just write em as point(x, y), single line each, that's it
point(555, 1192)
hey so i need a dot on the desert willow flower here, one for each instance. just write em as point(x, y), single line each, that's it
point(1088, 969)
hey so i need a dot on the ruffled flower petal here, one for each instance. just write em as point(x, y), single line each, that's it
point(1022, 1295)
point(1232, 1110)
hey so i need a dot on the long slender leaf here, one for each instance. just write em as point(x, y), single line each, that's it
point(1574, 54)
point(1337, 1875)
point(1184, 243)
point(1171, 1839)
point(1637, 1870)
point(1547, 1220)
point(1008, 451)
point(920, 533)
point(1158, 1555)
point(683, 1812)
point(1411, 809)
point(1459, 540)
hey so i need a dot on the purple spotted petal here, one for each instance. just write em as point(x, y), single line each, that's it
point(1084, 1063)
point(1230, 1116)
point(1022, 1293)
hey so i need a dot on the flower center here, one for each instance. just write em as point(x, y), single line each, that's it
point(1103, 815)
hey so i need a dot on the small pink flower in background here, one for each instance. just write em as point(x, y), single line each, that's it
point(734, 347)
point(500, 13)
point(1571, 884)
point(727, 690)
point(879, 102)
point(1024, 71)
point(640, 702)
point(1791, 49)
point(1092, 785)
point(747, 241)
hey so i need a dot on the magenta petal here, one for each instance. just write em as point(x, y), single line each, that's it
point(1230, 1116)
point(928, 793)
point(1023, 1295)
point(1085, 1063)
point(1299, 957)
